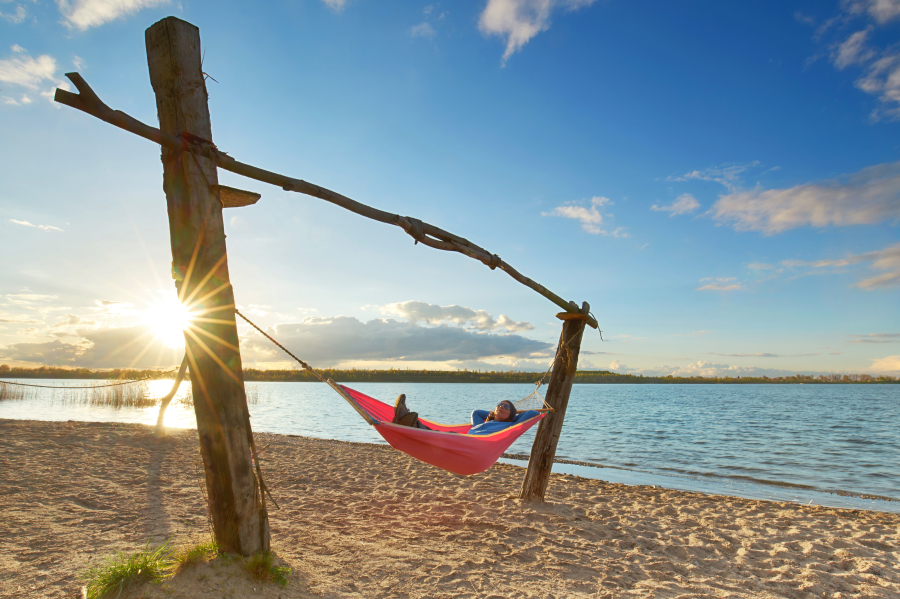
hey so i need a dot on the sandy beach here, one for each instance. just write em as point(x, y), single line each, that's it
point(360, 520)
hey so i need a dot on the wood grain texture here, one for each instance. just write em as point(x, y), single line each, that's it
point(543, 450)
point(200, 268)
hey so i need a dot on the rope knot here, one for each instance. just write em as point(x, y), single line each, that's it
point(495, 261)
point(417, 231)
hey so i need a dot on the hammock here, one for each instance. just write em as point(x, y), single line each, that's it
point(446, 446)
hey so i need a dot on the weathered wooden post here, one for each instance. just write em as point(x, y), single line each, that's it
point(537, 476)
point(200, 269)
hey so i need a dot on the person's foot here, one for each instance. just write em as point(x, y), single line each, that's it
point(400, 409)
point(409, 419)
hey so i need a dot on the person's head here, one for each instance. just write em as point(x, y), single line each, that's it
point(505, 411)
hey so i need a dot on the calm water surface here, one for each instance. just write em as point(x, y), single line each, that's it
point(826, 438)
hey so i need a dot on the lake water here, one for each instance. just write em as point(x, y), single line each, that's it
point(825, 444)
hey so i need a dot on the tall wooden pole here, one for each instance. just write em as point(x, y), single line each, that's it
point(537, 476)
point(200, 269)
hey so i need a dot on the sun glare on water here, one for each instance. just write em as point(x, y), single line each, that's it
point(168, 320)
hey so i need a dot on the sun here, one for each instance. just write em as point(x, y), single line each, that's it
point(168, 319)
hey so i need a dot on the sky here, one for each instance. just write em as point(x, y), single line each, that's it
point(720, 181)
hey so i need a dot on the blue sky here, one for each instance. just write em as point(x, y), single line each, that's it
point(720, 181)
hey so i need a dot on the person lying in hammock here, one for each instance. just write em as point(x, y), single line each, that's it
point(483, 422)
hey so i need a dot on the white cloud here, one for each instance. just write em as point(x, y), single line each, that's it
point(423, 30)
point(78, 62)
point(25, 223)
point(334, 341)
point(682, 205)
point(590, 216)
point(434, 314)
point(881, 66)
point(84, 14)
point(720, 284)
point(853, 50)
point(114, 308)
point(335, 5)
point(12, 318)
point(15, 17)
point(26, 71)
point(125, 347)
point(880, 10)
point(869, 196)
point(882, 79)
point(520, 20)
point(887, 364)
point(887, 259)
point(727, 174)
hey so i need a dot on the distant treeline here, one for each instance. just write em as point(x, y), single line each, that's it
point(590, 377)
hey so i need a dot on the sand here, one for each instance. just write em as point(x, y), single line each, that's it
point(360, 520)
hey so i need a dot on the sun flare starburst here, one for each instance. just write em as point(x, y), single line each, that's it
point(168, 320)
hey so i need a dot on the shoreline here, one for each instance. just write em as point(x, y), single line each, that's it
point(363, 520)
point(735, 486)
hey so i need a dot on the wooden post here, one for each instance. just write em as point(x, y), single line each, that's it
point(200, 269)
point(537, 476)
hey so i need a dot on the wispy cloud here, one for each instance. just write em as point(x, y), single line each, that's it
point(761, 355)
point(869, 196)
point(31, 74)
point(887, 259)
point(876, 338)
point(853, 50)
point(880, 10)
point(335, 5)
point(25, 223)
point(880, 67)
point(682, 205)
point(16, 16)
point(728, 175)
point(517, 21)
point(423, 30)
point(433, 314)
point(720, 284)
point(84, 14)
point(589, 216)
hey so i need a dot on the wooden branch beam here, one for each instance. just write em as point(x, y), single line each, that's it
point(87, 101)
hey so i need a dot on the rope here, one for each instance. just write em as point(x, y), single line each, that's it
point(149, 378)
point(283, 348)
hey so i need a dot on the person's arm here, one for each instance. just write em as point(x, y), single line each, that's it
point(479, 416)
point(523, 416)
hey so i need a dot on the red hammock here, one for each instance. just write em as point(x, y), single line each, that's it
point(447, 446)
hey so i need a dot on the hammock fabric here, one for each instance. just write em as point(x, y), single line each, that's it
point(446, 446)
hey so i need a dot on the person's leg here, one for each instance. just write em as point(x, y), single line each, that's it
point(479, 416)
point(403, 416)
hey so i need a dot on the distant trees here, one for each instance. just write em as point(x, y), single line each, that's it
point(585, 377)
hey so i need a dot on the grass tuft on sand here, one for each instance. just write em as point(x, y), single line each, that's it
point(262, 567)
point(185, 557)
point(122, 571)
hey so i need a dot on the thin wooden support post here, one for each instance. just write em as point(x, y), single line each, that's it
point(537, 476)
point(200, 269)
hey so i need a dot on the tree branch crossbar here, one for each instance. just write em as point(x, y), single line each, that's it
point(88, 102)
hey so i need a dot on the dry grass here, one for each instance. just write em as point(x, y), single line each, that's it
point(107, 394)
point(15, 392)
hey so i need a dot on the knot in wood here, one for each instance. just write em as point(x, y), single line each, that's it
point(495, 261)
point(417, 231)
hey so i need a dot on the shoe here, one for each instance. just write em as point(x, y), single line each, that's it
point(409, 419)
point(400, 409)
